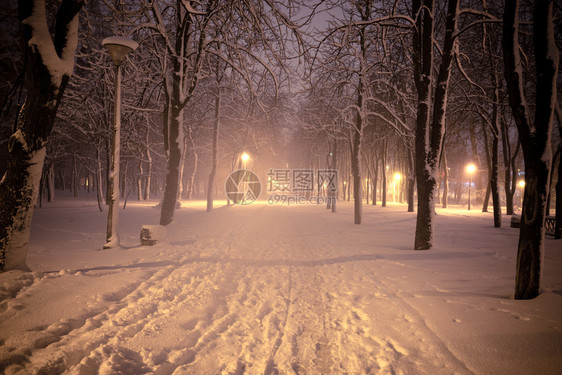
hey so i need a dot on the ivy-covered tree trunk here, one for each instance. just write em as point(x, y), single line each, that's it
point(49, 65)
point(535, 135)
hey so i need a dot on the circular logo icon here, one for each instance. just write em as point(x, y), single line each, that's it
point(243, 186)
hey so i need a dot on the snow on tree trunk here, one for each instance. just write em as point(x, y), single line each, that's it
point(429, 134)
point(99, 189)
point(423, 60)
point(171, 188)
point(216, 126)
point(148, 164)
point(534, 136)
point(356, 171)
point(375, 179)
point(49, 65)
point(445, 199)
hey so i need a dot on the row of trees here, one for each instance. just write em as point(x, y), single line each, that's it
point(424, 72)
point(415, 84)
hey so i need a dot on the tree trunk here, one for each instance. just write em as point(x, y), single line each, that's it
point(429, 139)
point(191, 180)
point(215, 149)
point(99, 183)
point(334, 192)
point(558, 213)
point(383, 177)
point(139, 182)
point(494, 182)
point(108, 158)
point(172, 167)
point(423, 61)
point(489, 167)
point(75, 178)
point(495, 139)
point(375, 179)
point(445, 200)
point(356, 171)
point(27, 145)
point(147, 180)
point(510, 175)
point(51, 182)
point(535, 137)
point(358, 131)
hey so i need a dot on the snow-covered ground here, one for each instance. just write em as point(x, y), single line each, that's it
point(265, 289)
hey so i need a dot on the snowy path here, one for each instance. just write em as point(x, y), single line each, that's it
point(273, 290)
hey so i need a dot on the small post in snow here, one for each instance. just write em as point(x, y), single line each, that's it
point(118, 47)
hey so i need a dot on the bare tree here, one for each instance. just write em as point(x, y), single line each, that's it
point(430, 122)
point(49, 65)
point(535, 134)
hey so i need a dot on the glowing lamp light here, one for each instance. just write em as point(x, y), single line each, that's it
point(397, 177)
point(245, 157)
point(471, 168)
point(521, 184)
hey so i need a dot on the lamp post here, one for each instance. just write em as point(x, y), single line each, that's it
point(118, 47)
point(470, 169)
point(521, 184)
point(397, 177)
point(245, 157)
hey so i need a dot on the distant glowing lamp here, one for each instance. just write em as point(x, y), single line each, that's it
point(470, 169)
point(521, 184)
point(397, 177)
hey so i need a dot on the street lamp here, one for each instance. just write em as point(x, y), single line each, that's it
point(118, 47)
point(470, 169)
point(521, 184)
point(397, 177)
point(245, 157)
